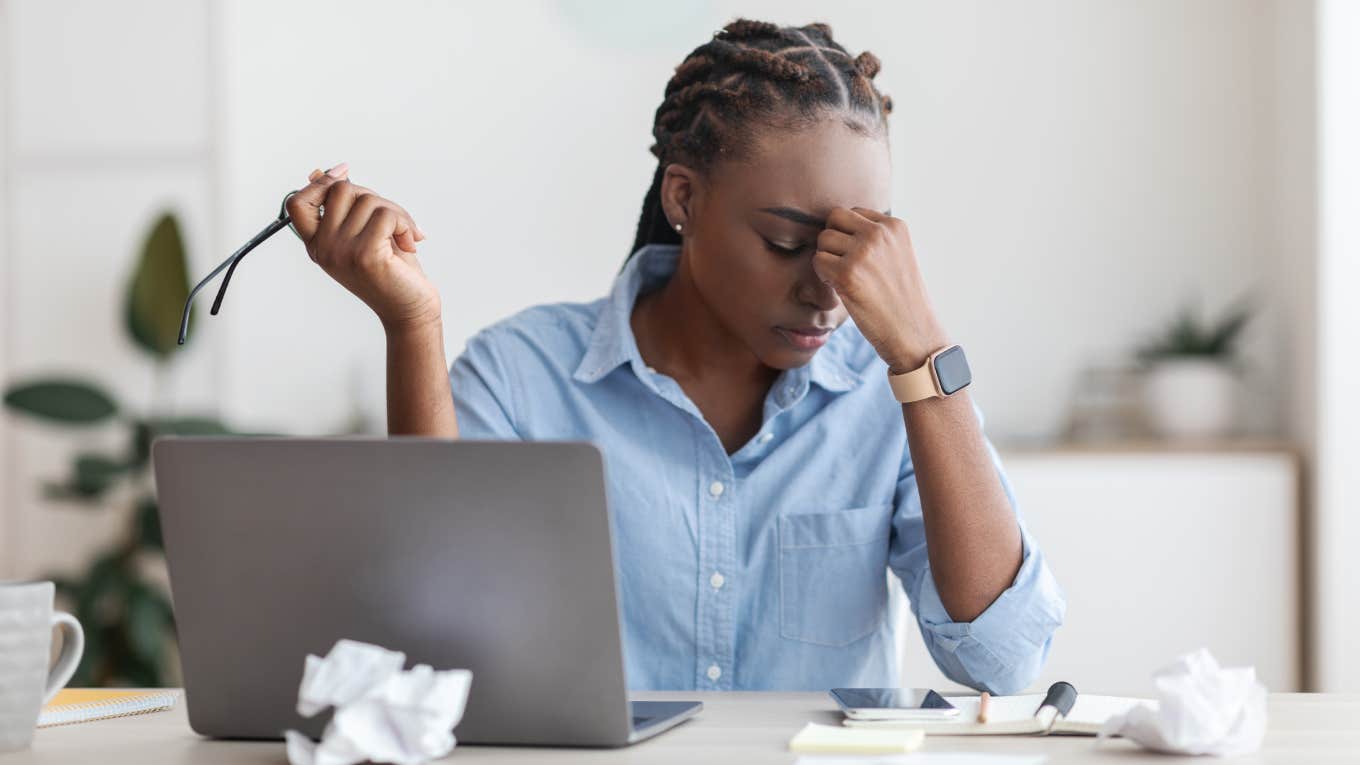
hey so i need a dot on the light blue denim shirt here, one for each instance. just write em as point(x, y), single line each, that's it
point(767, 568)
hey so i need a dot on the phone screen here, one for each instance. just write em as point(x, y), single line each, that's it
point(889, 698)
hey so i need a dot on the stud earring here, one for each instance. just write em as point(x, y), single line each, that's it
point(678, 227)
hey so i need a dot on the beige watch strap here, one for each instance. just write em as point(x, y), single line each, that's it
point(915, 385)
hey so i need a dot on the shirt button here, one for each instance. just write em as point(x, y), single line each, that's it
point(716, 489)
point(716, 580)
point(714, 672)
point(765, 438)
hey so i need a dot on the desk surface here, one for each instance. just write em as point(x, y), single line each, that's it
point(733, 728)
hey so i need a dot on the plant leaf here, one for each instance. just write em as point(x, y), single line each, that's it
point(137, 672)
point(158, 289)
point(71, 402)
point(145, 623)
point(95, 472)
point(67, 491)
point(140, 449)
point(91, 476)
point(149, 525)
point(100, 586)
point(1225, 335)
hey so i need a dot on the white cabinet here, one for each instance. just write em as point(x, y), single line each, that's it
point(1158, 553)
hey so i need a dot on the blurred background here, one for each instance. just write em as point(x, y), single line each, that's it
point(1139, 218)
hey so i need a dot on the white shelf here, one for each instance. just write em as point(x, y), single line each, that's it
point(1159, 552)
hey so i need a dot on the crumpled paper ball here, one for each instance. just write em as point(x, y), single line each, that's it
point(1202, 709)
point(382, 713)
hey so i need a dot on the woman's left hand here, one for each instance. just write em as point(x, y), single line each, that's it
point(868, 259)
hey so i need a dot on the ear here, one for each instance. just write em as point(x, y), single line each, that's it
point(679, 186)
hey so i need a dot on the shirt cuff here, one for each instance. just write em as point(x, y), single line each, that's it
point(1003, 649)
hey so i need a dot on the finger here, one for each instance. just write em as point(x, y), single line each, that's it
point(404, 233)
point(849, 221)
point(356, 217)
point(836, 242)
point(829, 267)
point(871, 214)
point(340, 197)
point(415, 234)
point(378, 230)
point(365, 205)
point(304, 206)
point(896, 226)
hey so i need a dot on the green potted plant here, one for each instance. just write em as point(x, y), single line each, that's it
point(1192, 377)
point(127, 617)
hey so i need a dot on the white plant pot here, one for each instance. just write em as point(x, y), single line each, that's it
point(1192, 398)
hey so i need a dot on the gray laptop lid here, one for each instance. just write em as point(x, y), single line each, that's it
point(490, 556)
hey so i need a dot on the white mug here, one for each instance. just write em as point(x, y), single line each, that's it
point(26, 681)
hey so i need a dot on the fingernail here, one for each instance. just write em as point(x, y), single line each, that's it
point(420, 231)
point(339, 170)
point(314, 175)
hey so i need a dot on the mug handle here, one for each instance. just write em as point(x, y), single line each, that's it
point(72, 646)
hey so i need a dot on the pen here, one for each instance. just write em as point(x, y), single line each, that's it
point(982, 707)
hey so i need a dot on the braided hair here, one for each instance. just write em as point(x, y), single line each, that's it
point(753, 73)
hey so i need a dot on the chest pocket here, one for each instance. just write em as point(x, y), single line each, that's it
point(832, 582)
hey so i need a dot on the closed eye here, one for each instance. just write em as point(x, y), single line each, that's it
point(786, 251)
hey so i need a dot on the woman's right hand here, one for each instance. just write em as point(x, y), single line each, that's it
point(366, 243)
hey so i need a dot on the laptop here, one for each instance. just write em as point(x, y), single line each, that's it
point(491, 556)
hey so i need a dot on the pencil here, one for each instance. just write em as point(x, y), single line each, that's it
point(982, 707)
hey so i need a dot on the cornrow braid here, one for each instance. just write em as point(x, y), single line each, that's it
point(747, 29)
point(753, 73)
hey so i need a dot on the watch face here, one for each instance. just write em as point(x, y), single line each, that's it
point(951, 369)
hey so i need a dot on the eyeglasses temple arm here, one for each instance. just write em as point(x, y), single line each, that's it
point(230, 265)
point(270, 230)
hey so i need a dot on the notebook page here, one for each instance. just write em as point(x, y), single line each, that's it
point(1091, 710)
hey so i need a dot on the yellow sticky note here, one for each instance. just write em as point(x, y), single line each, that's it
point(92, 695)
point(839, 739)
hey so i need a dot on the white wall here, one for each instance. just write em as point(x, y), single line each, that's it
point(1290, 196)
point(7, 538)
point(1338, 327)
point(107, 123)
point(1072, 171)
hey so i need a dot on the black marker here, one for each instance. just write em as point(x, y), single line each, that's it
point(1058, 703)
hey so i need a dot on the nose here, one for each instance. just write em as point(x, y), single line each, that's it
point(813, 291)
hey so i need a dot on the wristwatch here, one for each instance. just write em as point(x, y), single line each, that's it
point(945, 373)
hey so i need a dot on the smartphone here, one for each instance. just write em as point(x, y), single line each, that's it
point(893, 704)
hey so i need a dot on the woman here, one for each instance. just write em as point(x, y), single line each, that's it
point(736, 379)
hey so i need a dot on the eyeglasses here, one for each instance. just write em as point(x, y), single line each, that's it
point(230, 265)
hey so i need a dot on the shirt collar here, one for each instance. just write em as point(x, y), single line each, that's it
point(612, 342)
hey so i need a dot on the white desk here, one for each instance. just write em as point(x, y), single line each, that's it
point(733, 728)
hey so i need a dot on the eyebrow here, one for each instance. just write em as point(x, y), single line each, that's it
point(799, 216)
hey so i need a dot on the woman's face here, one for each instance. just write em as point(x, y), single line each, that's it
point(751, 228)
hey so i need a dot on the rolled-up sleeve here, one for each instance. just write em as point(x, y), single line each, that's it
point(483, 400)
point(1003, 649)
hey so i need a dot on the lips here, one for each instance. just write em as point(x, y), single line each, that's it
point(809, 329)
point(806, 337)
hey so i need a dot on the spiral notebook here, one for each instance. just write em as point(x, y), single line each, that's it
point(77, 705)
